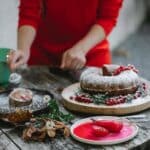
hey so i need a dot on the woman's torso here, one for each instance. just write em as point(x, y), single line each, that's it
point(63, 23)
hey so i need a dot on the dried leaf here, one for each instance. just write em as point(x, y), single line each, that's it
point(24, 135)
point(27, 133)
point(50, 124)
point(40, 136)
point(51, 133)
point(59, 123)
point(32, 133)
point(39, 128)
point(66, 132)
point(59, 126)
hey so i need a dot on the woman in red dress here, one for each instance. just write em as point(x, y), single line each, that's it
point(70, 34)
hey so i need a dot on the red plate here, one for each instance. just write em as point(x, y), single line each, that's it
point(82, 131)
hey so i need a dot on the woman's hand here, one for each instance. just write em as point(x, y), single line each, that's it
point(73, 59)
point(26, 36)
point(18, 58)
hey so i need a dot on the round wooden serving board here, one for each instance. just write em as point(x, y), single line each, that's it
point(137, 105)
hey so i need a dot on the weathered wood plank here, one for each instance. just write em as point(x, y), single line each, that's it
point(6, 143)
point(55, 144)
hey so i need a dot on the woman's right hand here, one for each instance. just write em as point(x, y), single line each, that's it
point(17, 58)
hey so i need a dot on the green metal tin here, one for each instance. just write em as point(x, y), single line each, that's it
point(4, 68)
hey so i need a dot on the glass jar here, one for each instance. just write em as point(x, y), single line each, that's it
point(4, 68)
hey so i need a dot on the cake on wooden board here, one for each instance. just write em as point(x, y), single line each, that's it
point(115, 79)
point(110, 90)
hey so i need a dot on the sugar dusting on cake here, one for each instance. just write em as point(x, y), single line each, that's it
point(123, 78)
point(115, 85)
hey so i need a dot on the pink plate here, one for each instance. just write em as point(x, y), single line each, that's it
point(81, 131)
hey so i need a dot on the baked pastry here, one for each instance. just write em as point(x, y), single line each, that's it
point(20, 97)
point(19, 116)
point(111, 79)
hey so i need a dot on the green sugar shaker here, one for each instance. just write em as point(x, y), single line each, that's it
point(4, 68)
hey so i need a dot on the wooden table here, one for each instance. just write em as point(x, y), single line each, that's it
point(42, 78)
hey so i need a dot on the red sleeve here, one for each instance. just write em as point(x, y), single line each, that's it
point(107, 14)
point(29, 12)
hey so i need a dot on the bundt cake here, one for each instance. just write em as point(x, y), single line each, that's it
point(111, 79)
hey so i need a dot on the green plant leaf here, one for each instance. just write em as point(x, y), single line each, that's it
point(56, 114)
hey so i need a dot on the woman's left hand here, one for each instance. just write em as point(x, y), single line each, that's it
point(73, 59)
